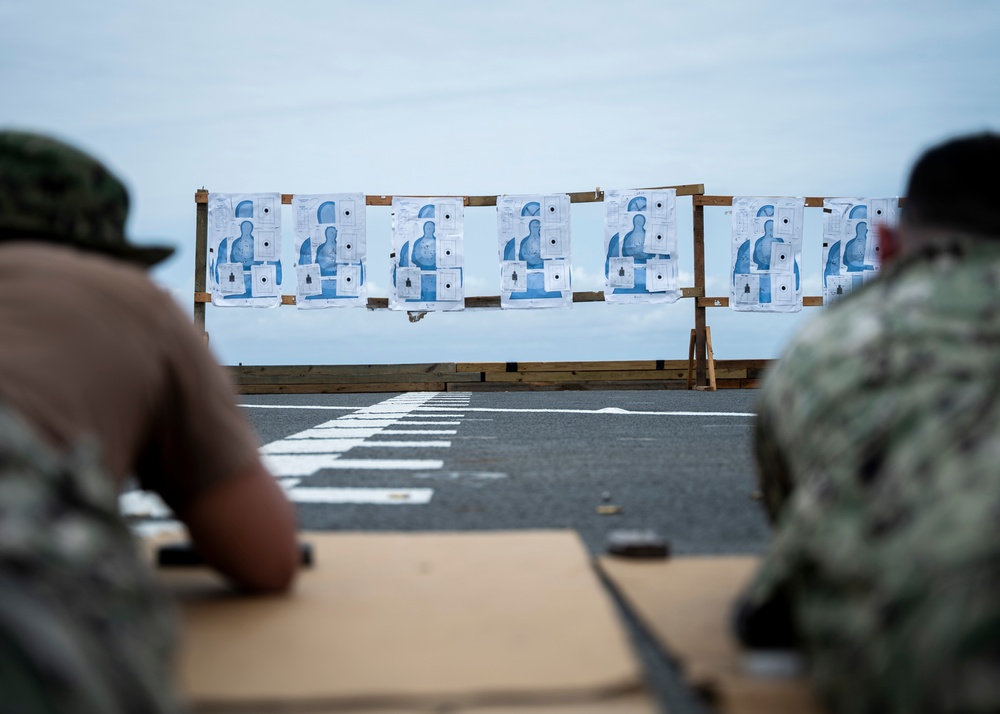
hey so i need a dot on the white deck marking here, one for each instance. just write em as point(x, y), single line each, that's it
point(305, 453)
point(441, 432)
point(380, 496)
point(293, 406)
point(298, 464)
point(614, 410)
point(400, 422)
point(406, 444)
point(434, 416)
point(310, 446)
point(334, 433)
point(380, 416)
point(387, 464)
point(454, 475)
point(347, 422)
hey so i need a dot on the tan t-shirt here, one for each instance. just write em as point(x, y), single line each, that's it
point(90, 346)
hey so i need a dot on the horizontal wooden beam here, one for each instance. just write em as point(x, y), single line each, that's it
point(626, 365)
point(473, 301)
point(338, 388)
point(486, 376)
point(807, 301)
point(652, 365)
point(605, 375)
point(400, 380)
point(341, 370)
point(597, 195)
point(810, 201)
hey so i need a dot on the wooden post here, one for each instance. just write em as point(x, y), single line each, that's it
point(200, 256)
point(699, 283)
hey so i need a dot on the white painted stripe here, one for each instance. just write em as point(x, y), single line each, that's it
point(349, 423)
point(312, 450)
point(400, 422)
point(404, 444)
point(335, 434)
point(365, 423)
point(434, 416)
point(293, 406)
point(387, 464)
point(143, 504)
point(605, 411)
point(380, 496)
point(371, 415)
point(298, 464)
point(439, 432)
point(310, 446)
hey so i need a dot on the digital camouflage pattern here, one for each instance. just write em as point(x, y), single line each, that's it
point(83, 627)
point(53, 192)
point(878, 445)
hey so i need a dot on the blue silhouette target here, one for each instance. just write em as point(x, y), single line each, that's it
point(640, 246)
point(244, 249)
point(533, 242)
point(331, 250)
point(766, 254)
point(427, 254)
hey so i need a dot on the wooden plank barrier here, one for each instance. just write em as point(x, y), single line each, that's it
point(487, 376)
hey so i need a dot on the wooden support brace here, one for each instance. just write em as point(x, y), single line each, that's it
point(710, 362)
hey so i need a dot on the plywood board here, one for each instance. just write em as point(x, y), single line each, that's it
point(401, 379)
point(335, 388)
point(337, 370)
point(624, 704)
point(687, 604)
point(602, 376)
point(408, 621)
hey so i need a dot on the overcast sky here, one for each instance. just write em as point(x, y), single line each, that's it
point(453, 98)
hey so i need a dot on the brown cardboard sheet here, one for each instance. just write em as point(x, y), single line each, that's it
point(409, 622)
point(625, 704)
point(687, 604)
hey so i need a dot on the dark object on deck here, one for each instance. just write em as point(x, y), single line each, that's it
point(183, 555)
point(638, 544)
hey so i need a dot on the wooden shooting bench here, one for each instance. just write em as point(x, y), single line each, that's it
point(489, 622)
point(515, 622)
point(686, 604)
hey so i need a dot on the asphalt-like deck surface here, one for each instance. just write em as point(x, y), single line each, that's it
point(547, 460)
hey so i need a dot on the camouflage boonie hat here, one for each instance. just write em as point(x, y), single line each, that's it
point(51, 192)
